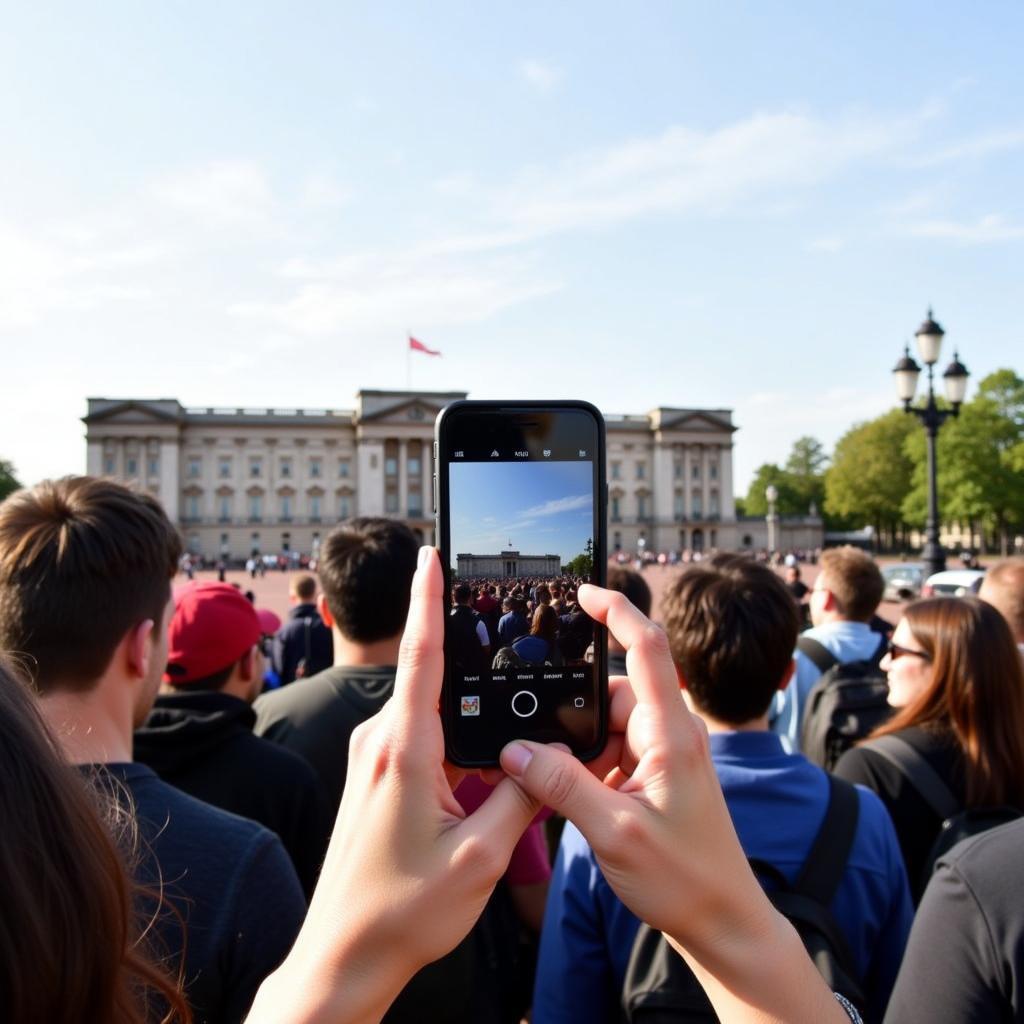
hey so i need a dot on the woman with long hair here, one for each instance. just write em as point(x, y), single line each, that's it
point(71, 938)
point(540, 647)
point(957, 684)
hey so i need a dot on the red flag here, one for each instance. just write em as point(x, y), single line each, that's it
point(418, 346)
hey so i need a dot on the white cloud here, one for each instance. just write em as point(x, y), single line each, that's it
point(558, 505)
point(322, 191)
point(541, 75)
point(830, 243)
point(221, 193)
point(987, 230)
point(974, 148)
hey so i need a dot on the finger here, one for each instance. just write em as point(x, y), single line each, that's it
point(621, 701)
point(502, 818)
point(648, 659)
point(557, 779)
point(453, 774)
point(421, 655)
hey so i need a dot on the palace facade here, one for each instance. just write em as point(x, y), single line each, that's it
point(243, 480)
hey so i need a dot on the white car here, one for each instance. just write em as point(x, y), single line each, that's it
point(953, 583)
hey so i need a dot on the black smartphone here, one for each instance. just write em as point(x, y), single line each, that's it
point(521, 523)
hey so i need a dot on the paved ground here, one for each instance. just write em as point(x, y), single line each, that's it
point(272, 590)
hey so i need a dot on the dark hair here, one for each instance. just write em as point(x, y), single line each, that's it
point(461, 593)
point(976, 693)
point(543, 594)
point(366, 567)
point(545, 623)
point(732, 627)
point(70, 946)
point(304, 587)
point(633, 585)
point(214, 681)
point(82, 561)
point(854, 580)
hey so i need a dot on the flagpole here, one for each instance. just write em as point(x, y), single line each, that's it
point(408, 361)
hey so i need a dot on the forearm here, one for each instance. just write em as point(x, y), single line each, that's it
point(760, 973)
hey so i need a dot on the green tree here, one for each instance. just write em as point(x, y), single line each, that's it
point(582, 564)
point(980, 478)
point(870, 473)
point(8, 481)
point(805, 469)
point(789, 502)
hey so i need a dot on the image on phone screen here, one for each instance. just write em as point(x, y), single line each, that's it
point(521, 530)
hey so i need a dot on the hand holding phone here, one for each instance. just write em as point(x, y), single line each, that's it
point(521, 525)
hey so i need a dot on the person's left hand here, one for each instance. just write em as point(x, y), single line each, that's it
point(407, 872)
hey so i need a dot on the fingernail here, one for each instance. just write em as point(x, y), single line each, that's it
point(424, 556)
point(515, 757)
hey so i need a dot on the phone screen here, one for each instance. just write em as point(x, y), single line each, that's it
point(521, 526)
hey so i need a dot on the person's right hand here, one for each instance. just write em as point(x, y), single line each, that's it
point(660, 829)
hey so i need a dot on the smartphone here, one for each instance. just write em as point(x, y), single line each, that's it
point(520, 514)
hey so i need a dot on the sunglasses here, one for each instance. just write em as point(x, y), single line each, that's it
point(895, 651)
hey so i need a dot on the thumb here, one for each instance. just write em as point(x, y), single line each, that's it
point(503, 817)
point(558, 780)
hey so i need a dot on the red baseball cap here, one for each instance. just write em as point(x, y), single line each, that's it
point(213, 625)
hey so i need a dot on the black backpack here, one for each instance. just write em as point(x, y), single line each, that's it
point(844, 705)
point(958, 822)
point(660, 988)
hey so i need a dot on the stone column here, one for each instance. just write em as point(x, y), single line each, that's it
point(705, 478)
point(370, 486)
point(209, 479)
point(662, 483)
point(687, 509)
point(170, 494)
point(403, 479)
point(94, 458)
point(725, 491)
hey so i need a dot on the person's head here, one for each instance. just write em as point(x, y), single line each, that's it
point(366, 567)
point(462, 594)
point(732, 627)
point(214, 642)
point(633, 585)
point(85, 584)
point(69, 939)
point(302, 589)
point(506, 605)
point(545, 623)
point(1003, 588)
point(848, 588)
point(543, 594)
point(953, 665)
point(792, 573)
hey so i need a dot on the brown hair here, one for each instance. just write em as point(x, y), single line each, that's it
point(304, 587)
point(70, 947)
point(366, 567)
point(732, 626)
point(545, 623)
point(1003, 588)
point(976, 693)
point(82, 561)
point(854, 580)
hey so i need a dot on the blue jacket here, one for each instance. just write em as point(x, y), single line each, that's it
point(777, 802)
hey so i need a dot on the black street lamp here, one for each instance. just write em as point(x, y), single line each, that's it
point(929, 342)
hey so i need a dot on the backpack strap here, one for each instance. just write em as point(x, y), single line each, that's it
point(822, 658)
point(918, 772)
point(823, 869)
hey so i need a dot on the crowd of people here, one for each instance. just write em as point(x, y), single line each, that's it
point(518, 622)
point(206, 820)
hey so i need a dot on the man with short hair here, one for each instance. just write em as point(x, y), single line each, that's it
point(731, 626)
point(466, 632)
point(842, 603)
point(199, 735)
point(1003, 588)
point(85, 596)
point(513, 624)
point(302, 647)
point(634, 586)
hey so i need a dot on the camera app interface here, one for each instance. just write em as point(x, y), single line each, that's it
point(520, 648)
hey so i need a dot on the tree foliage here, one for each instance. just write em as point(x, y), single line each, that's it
point(8, 481)
point(800, 483)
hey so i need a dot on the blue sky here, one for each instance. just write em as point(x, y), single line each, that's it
point(739, 205)
point(542, 508)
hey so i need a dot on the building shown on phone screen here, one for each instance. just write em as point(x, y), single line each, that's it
point(240, 481)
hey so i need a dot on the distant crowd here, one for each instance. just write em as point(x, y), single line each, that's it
point(804, 812)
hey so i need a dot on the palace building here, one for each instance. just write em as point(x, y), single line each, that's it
point(508, 564)
point(243, 480)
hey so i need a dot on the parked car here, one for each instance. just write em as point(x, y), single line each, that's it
point(953, 583)
point(903, 581)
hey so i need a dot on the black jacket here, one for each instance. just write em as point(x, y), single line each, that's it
point(290, 647)
point(203, 744)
